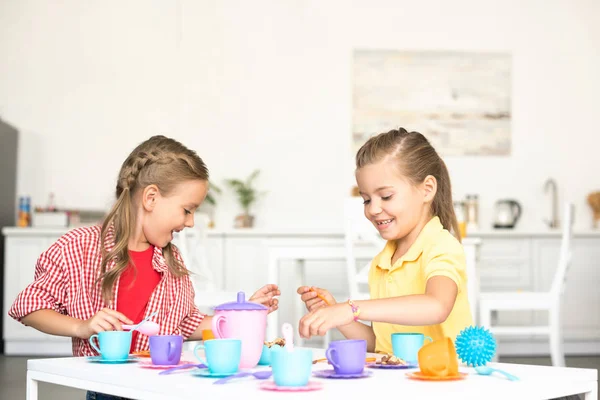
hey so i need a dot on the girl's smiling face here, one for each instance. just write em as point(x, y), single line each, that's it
point(163, 215)
point(393, 204)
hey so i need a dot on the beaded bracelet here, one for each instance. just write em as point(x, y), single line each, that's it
point(355, 309)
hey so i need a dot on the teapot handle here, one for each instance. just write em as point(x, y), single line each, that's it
point(217, 321)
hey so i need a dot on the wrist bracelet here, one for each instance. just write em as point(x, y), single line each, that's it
point(355, 309)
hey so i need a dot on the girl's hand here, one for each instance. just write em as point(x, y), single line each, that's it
point(315, 298)
point(104, 320)
point(266, 296)
point(319, 321)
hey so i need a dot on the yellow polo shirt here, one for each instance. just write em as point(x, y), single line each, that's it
point(435, 253)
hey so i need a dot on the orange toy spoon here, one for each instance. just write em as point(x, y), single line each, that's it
point(320, 296)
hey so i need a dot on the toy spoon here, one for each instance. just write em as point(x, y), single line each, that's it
point(257, 375)
point(184, 366)
point(288, 335)
point(146, 327)
point(483, 370)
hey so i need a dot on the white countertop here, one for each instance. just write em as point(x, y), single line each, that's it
point(258, 232)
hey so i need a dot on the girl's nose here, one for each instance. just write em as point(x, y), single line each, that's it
point(373, 208)
point(189, 221)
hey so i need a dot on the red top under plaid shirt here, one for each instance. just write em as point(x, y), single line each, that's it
point(65, 281)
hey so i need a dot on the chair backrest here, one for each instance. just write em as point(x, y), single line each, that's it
point(191, 243)
point(564, 259)
point(358, 230)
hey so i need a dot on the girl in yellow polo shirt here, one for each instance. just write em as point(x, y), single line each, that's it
point(418, 283)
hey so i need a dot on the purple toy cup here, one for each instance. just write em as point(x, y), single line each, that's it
point(347, 356)
point(165, 349)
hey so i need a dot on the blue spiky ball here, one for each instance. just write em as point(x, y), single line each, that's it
point(475, 346)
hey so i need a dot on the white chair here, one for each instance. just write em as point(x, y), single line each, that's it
point(550, 301)
point(191, 243)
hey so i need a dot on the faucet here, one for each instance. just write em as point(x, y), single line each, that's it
point(551, 185)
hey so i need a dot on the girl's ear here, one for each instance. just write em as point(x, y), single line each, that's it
point(149, 197)
point(429, 186)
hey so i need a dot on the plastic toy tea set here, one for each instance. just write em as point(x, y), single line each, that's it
point(236, 349)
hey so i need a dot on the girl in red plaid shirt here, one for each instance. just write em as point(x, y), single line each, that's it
point(86, 283)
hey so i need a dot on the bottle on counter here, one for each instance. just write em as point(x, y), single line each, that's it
point(24, 216)
point(459, 211)
point(472, 212)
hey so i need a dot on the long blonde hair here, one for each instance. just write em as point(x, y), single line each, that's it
point(159, 161)
point(416, 160)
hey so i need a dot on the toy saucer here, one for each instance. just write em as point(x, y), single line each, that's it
point(386, 366)
point(205, 373)
point(148, 364)
point(418, 375)
point(330, 374)
point(273, 387)
point(99, 359)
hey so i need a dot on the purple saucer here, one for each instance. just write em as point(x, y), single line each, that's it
point(330, 374)
point(399, 366)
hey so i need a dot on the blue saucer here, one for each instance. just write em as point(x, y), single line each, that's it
point(205, 373)
point(399, 366)
point(99, 359)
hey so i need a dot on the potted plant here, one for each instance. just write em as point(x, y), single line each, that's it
point(247, 195)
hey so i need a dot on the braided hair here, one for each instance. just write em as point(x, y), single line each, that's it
point(159, 161)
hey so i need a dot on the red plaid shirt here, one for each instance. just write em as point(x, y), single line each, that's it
point(65, 281)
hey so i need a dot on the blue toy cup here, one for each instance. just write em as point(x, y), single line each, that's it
point(291, 368)
point(407, 345)
point(222, 355)
point(265, 356)
point(114, 345)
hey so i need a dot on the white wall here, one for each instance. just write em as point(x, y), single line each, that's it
point(267, 84)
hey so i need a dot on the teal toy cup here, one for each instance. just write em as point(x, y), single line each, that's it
point(222, 355)
point(291, 368)
point(265, 356)
point(114, 345)
point(407, 345)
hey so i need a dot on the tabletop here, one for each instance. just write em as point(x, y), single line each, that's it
point(133, 381)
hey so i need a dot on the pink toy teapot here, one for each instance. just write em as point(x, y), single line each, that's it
point(242, 320)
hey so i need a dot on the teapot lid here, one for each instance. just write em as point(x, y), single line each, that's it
point(241, 304)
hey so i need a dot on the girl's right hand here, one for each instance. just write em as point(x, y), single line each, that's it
point(315, 298)
point(104, 320)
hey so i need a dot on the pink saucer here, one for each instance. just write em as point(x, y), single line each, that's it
point(147, 363)
point(272, 386)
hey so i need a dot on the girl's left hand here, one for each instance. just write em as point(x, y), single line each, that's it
point(319, 321)
point(266, 296)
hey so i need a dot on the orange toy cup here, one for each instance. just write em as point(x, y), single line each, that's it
point(439, 358)
point(207, 334)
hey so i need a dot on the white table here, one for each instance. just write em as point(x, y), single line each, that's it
point(129, 380)
point(281, 251)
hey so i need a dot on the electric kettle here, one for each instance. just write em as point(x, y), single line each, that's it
point(507, 213)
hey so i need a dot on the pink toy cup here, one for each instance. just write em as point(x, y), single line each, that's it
point(245, 321)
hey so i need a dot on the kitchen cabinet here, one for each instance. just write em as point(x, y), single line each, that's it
point(508, 261)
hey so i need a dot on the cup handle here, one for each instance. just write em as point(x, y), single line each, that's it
point(171, 353)
point(216, 326)
point(427, 338)
point(329, 355)
point(91, 339)
point(200, 347)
